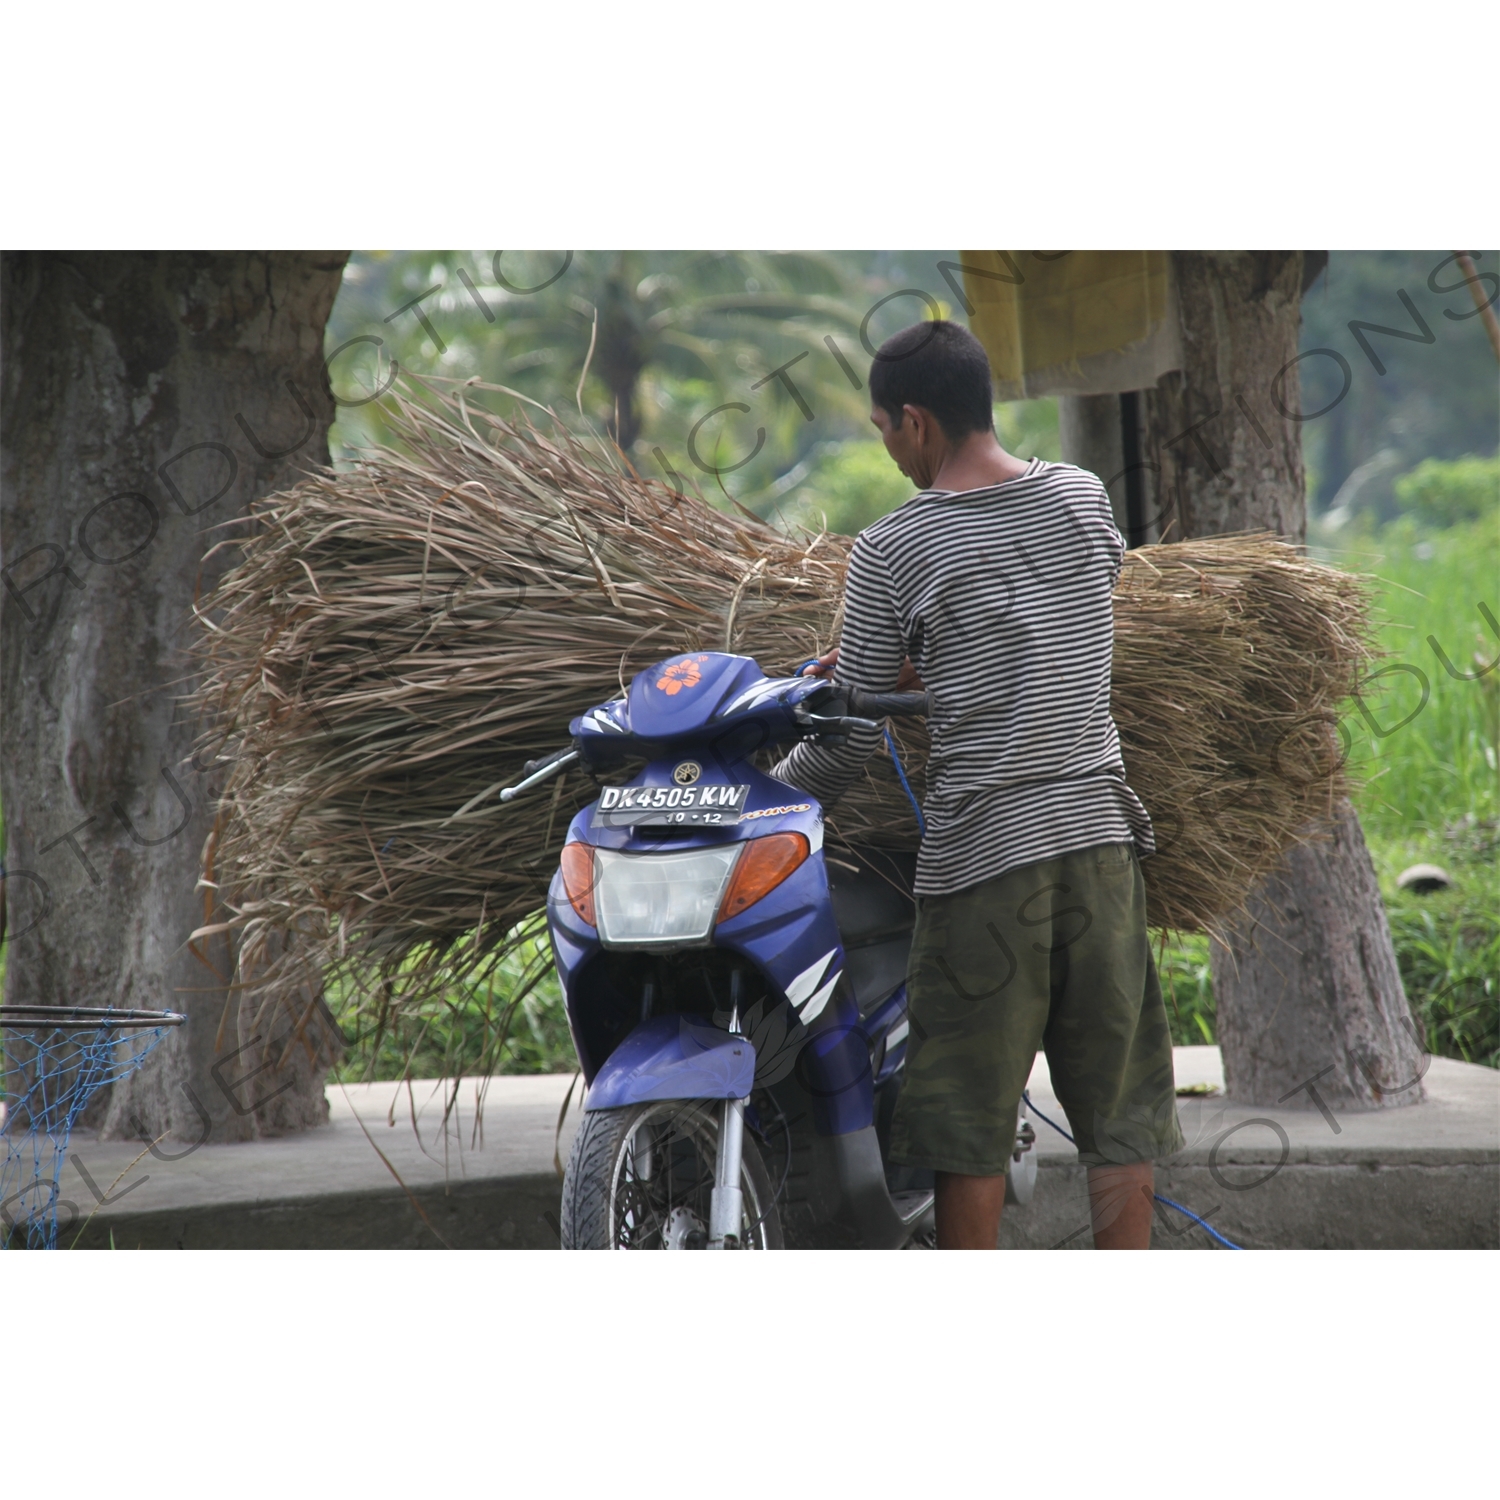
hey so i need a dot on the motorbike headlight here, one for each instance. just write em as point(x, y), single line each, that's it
point(651, 899)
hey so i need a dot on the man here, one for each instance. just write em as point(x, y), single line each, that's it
point(992, 588)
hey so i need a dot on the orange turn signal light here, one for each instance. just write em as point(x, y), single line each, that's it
point(763, 865)
point(578, 879)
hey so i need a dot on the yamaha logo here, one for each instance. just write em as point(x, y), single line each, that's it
point(687, 773)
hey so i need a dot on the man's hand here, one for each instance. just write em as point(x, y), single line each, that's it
point(907, 682)
point(824, 665)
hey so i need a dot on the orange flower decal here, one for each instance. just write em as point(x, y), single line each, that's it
point(681, 674)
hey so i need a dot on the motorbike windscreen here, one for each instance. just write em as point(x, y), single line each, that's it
point(660, 899)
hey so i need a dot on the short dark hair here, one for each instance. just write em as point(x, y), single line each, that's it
point(941, 366)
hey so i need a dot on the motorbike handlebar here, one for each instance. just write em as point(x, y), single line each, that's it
point(893, 705)
point(533, 766)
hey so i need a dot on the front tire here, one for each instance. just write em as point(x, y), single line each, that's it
point(640, 1178)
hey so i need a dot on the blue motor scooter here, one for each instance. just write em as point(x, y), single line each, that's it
point(736, 991)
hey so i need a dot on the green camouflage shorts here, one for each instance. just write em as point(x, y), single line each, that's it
point(1052, 956)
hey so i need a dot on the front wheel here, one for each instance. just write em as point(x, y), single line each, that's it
point(641, 1177)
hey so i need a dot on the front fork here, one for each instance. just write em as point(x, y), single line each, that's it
point(726, 1208)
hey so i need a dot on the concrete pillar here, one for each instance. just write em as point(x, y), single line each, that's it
point(1091, 433)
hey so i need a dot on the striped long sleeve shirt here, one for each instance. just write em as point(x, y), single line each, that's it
point(1001, 597)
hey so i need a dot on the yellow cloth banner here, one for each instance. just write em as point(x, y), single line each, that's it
point(1073, 322)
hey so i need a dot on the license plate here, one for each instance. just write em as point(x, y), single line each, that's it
point(670, 806)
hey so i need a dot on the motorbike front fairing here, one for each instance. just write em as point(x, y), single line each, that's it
point(692, 725)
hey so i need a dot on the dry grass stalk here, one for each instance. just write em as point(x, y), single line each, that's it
point(398, 640)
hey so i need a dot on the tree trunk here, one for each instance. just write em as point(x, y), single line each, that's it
point(620, 353)
point(1310, 1005)
point(147, 399)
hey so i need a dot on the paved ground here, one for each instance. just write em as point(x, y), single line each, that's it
point(1425, 1175)
point(338, 1185)
point(1460, 1113)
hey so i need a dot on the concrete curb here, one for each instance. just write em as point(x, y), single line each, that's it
point(498, 1213)
point(1425, 1176)
point(1305, 1206)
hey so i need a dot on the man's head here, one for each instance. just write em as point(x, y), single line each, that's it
point(929, 390)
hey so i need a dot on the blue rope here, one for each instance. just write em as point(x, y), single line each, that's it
point(1230, 1244)
point(890, 745)
point(1045, 1121)
point(1170, 1204)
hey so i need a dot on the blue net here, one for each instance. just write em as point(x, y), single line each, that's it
point(52, 1062)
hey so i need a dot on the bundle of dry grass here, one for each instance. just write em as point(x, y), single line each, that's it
point(399, 640)
point(1232, 658)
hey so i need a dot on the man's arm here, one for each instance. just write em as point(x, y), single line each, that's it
point(1114, 543)
point(870, 656)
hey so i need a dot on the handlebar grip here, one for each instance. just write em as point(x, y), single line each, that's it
point(533, 766)
point(894, 705)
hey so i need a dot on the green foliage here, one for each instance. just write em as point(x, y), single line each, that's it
point(511, 1022)
point(1187, 987)
point(644, 345)
point(845, 486)
point(1434, 398)
point(1029, 428)
point(848, 487)
point(1450, 493)
point(1448, 945)
point(673, 334)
